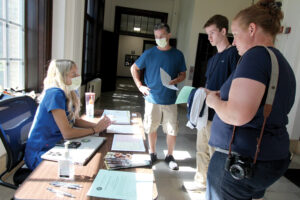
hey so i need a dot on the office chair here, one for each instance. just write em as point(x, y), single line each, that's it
point(16, 117)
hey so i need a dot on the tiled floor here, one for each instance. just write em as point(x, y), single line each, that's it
point(169, 183)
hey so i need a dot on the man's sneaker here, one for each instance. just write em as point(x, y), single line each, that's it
point(153, 157)
point(171, 162)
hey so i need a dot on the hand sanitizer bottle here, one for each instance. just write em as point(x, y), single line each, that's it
point(65, 165)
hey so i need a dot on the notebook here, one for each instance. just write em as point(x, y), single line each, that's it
point(81, 155)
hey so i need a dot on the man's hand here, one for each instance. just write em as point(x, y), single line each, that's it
point(180, 78)
point(144, 90)
point(174, 81)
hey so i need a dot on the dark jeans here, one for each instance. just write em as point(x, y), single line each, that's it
point(221, 185)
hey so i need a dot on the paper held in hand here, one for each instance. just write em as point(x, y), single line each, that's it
point(165, 79)
point(184, 94)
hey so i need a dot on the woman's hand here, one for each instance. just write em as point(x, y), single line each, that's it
point(103, 123)
point(212, 98)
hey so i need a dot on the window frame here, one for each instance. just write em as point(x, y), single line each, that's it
point(38, 42)
point(92, 40)
point(137, 12)
point(9, 25)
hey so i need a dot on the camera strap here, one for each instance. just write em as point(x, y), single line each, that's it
point(268, 104)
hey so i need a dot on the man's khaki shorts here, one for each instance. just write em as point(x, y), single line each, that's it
point(156, 114)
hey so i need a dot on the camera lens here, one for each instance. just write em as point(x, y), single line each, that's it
point(237, 172)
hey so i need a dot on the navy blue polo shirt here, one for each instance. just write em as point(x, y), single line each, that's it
point(172, 61)
point(219, 68)
point(256, 65)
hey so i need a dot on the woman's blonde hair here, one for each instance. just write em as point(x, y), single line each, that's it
point(56, 77)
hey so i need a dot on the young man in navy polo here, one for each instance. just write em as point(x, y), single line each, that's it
point(219, 67)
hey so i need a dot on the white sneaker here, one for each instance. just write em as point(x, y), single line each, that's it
point(193, 186)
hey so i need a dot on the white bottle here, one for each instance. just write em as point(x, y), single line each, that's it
point(90, 108)
point(65, 165)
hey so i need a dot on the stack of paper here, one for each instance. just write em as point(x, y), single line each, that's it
point(128, 143)
point(122, 185)
point(123, 129)
point(118, 116)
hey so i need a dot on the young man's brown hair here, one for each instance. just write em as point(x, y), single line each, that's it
point(219, 20)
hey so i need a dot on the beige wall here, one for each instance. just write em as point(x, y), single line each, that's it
point(126, 45)
point(67, 30)
point(289, 45)
point(167, 6)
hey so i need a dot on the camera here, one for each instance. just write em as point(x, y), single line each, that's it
point(239, 167)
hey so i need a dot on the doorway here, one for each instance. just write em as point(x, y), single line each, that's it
point(204, 52)
point(132, 27)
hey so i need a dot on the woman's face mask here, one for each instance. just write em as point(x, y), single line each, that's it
point(76, 83)
point(162, 42)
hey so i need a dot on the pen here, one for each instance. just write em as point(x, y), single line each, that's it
point(59, 192)
point(66, 185)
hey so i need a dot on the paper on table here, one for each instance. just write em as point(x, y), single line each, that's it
point(184, 94)
point(80, 155)
point(128, 143)
point(125, 129)
point(122, 185)
point(118, 116)
point(165, 79)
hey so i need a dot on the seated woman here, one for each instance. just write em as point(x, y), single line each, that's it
point(240, 115)
point(58, 112)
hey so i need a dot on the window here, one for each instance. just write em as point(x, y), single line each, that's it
point(12, 44)
point(137, 22)
point(134, 23)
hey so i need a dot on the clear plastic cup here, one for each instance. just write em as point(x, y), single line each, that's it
point(89, 104)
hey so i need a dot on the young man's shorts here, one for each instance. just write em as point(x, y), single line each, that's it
point(156, 114)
